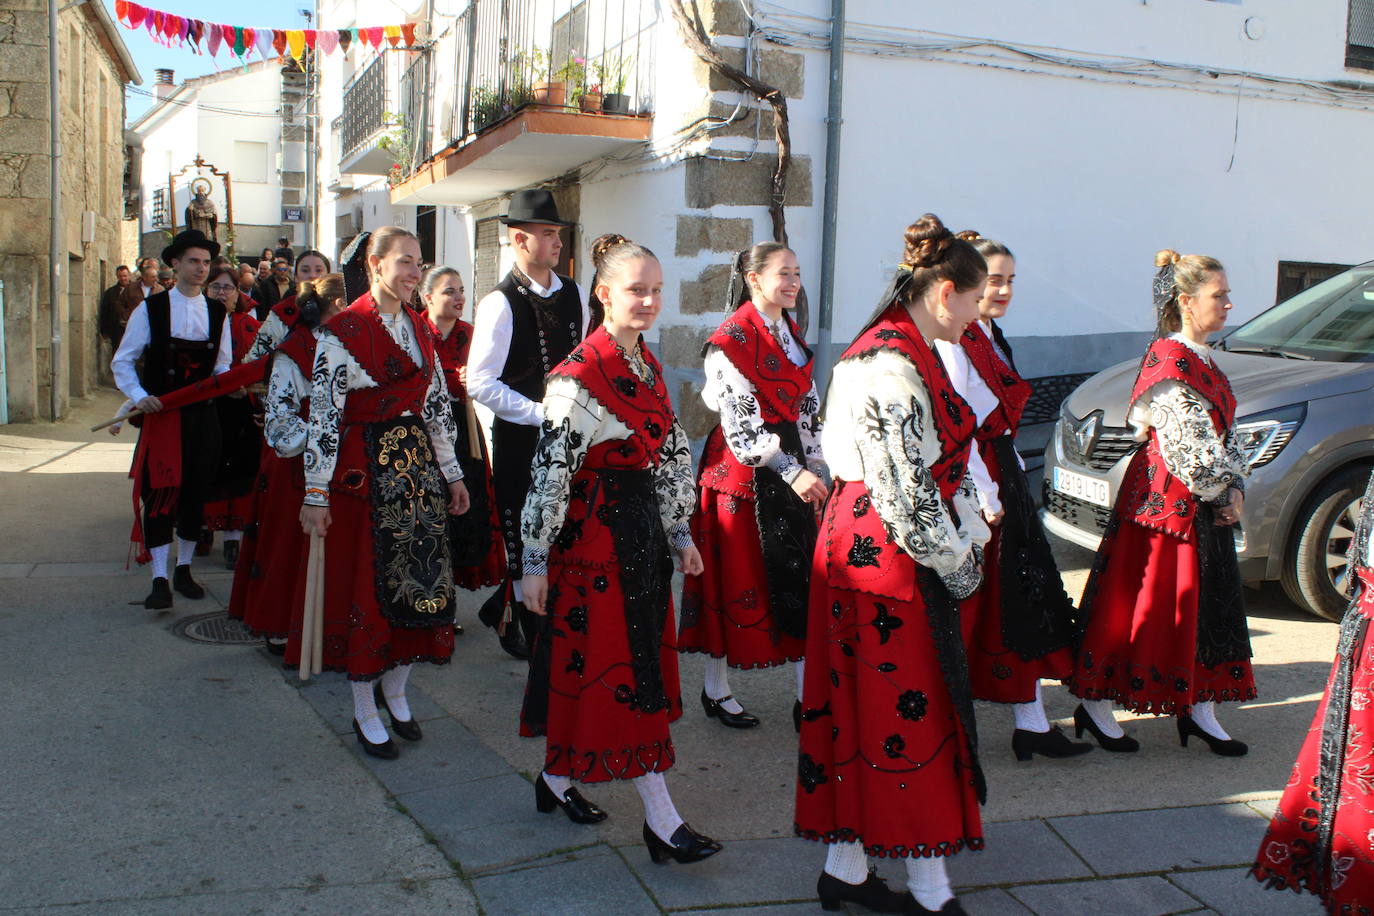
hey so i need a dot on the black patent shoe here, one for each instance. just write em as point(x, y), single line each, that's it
point(741, 719)
point(952, 907)
point(231, 554)
point(183, 583)
point(387, 750)
point(276, 647)
point(577, 808)
point(1084, 722)
point(685, 847)
point(1224, 747)
point(160, 598)
point(513, 642)
point(408, 729)
point(796, 715)
point(1053, 743)
point(873, 895)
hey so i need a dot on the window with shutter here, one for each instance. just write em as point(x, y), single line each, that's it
point(1359, 35)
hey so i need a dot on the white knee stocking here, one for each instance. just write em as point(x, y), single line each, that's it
point(186, 552)
point(159, 563)
point(717, 684)
point(800, 669)
point(233, 536)
point(928, 882)
point(559, 784)
point(848, 862)
point(1030, 716)
point(1100, 711)
point(1205, 715)
point(365, 711)
point(659, 812)
point(394, 689)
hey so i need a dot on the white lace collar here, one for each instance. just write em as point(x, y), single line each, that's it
point(1203, 350)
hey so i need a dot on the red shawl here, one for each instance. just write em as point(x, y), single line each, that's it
point(1012, 391)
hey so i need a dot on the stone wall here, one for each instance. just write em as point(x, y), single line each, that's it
point(92, 120)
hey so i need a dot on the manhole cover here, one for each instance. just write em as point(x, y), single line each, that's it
point(216, 628)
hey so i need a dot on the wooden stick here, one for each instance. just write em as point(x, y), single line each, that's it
point(307, 659)
point(317, 644)
point(474, 434)
point(131, 414)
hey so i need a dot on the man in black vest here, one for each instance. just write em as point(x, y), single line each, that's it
point(181, 339)
point(524, 328)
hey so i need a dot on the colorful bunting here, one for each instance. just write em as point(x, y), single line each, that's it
point(208, 37)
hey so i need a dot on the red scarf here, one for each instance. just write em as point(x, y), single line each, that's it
point(453, 355)
point(780, 385)
point(1012, 391)
point(401, 384)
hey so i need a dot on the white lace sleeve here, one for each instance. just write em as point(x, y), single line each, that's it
point(897, 444)
point(270, 335)
point(989, 496)
point(1207, 464)
point(809, 425)
point(676, 486)
point(741, 421)
point(572, 418)
point(285, 430)
point(329, 384)
point(442, 428)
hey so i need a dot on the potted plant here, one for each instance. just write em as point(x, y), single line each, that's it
point(544, 88)
point(589, 100)
point(574, 73)
point(486, 107)
point(612, 77)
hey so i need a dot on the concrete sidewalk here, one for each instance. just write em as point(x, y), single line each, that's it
point(153, 774)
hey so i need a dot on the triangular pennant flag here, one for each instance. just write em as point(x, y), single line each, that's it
point(263, 38)
point(374, 36)
point(136, 15)
point(328, 40)
point(295, 42)
point(393, 34)
point(310, 38)
point(122, 10)
point(227, 33)
point(169, 25)
point(249, 36)
point(408, 33)
point(151, 22)
point(197, 33)
point(238, 41)
point(213, 37)
point(345, 39)
point(158, 18)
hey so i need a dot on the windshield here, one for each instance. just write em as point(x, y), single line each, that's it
point(1333, 321)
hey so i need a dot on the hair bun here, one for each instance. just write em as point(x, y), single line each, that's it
point(969, 235)
point(603, 245)
point(1167, 256)
point(927, 240)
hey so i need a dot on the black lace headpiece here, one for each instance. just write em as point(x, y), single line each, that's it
point(1164, 290)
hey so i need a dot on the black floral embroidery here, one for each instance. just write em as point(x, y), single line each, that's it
point(836, 610)
point(887, 667)
point(894, 746)
point(862, 505)
point(601, 583)
point(912, 705)
point(887, 334)
point(1237, 672)
point(1137, 682)
point(733, 331)
point(885, 622)
point(577, 618)
point(626, 386)
point(576, 664)
point(1180, 684)
point(864, 552)
point(1182, 507)
point(1001, 672)
point(810, 773)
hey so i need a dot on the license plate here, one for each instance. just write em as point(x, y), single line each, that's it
point(1081, 486)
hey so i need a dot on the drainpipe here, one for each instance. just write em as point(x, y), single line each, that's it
point(55, 224)
point(4, 379)
point(830, 206)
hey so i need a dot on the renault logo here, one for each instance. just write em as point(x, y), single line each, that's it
point(1085, 436)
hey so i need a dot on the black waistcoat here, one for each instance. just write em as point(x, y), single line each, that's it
point(541, 335)
point(169, 362)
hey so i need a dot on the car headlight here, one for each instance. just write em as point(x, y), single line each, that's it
point(1262, 436)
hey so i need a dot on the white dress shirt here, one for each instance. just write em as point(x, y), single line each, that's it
point(190, 320)
point(491, 335)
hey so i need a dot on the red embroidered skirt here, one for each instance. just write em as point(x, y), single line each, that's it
point(997, 673)
point(883, 753)
point(725, 610)
point(269, 578)
point(1344, 876)
point(1140, 646)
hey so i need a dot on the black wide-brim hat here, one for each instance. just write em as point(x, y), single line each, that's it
point(190, 238)
point(533, 208)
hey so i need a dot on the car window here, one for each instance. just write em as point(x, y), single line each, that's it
point(1333, 321)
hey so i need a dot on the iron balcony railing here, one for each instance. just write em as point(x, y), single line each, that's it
point(364, 107)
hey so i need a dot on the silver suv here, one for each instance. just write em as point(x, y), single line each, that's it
point(1302, 373)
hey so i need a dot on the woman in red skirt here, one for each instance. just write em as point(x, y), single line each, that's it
point(269, 584)
point(479, 557)
point(610, 495)
point(1165, 628)
point(759, 487)
point(888, 763)
point(1019, 626)
point(380, 481)
point(1319, 839)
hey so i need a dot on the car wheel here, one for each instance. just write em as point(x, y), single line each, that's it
point(1315, 572)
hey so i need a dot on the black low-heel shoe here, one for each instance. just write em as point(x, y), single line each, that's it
point(408, 729)
point(1053, 743)
point(387, 750)
point(685, 847)
point(274, 647)
point(873, 894)
point(1224, 747)
point(796, 715)
point(160, 598)
point(577, 808)
point(183, 583)
point(741, 719)
point(952, 907)
point(1084, 722)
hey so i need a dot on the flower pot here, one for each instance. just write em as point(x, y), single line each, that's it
point(616, 103)
point(551, 93)
point(590, 102)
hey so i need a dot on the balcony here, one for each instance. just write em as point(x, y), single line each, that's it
point(546, 87)
point(369, 122)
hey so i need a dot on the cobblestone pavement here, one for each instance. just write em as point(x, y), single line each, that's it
point(156, 775)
